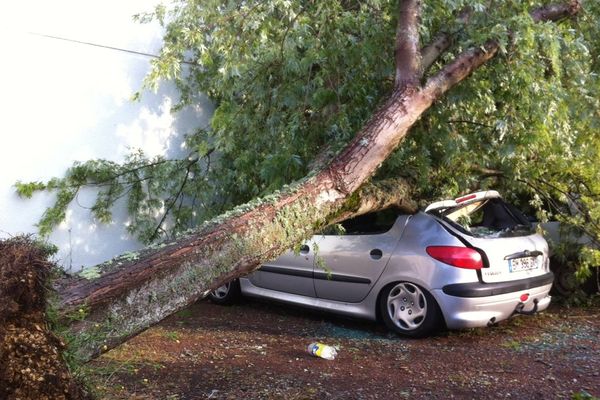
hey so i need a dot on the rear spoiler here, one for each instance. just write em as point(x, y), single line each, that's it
point(463, 200)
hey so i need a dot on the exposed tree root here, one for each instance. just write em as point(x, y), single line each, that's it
point(32, 366)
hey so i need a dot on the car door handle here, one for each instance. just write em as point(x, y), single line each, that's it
point(304, 249)
point(376, 254)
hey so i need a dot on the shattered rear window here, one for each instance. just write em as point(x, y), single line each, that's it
point(487, 218)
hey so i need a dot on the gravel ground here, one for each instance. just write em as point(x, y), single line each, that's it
point(257, 350)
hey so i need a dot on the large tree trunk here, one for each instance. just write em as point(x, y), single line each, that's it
point(120, 298)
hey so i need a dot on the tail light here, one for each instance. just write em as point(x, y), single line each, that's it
point(461, 257)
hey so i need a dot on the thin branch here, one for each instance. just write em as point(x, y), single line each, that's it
point(173, 201)
point(181, 199)
point(591, 233)
point(590, 192)
point(125, 172)
point(108, 181)
point(190, 222)
point(285, 34)
point(462, 121)
point(551, 202)
point(574, 202)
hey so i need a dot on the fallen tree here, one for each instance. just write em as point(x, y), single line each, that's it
point(116, 300)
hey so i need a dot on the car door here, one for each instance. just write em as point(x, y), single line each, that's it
point(292, 272)
point(347, 266)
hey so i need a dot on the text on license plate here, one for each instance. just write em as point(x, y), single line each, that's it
point(522, 264)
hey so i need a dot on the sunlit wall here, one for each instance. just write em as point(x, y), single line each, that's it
point(67, 73)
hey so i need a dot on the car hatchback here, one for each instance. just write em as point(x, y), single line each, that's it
point(468, 262)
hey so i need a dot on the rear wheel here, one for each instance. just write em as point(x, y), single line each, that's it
point(409, 310)
point(226, 294)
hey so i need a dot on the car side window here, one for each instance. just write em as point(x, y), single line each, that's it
point(367, 224)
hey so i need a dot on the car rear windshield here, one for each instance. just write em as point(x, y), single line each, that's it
point(486, 218)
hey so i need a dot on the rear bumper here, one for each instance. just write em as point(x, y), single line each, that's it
point(478, 289)
point(481, 304)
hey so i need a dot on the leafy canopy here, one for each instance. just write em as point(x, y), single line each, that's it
point(293, 81)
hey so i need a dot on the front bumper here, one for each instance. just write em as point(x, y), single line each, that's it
point(471, 305)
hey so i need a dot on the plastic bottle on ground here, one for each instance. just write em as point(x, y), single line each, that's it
point(322, 350)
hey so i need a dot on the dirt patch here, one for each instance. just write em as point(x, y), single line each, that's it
point(30, 355)
point(257, 350)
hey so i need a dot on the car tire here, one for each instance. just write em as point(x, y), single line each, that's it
point(226, 294)
point(409, 310)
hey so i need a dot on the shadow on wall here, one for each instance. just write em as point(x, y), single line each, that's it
point(83, 111)
point(151, 127)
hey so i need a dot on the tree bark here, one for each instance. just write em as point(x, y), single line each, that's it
point(120, 298)
point(407, 53)
point(371, 197)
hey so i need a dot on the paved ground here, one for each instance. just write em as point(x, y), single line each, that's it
point(257, 350)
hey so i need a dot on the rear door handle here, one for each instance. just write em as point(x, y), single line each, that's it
point(304, 249)
point(376, 254)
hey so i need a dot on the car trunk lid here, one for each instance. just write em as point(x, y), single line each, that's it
point(512, 258)
point(511, 248)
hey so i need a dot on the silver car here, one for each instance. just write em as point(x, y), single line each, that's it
point(468, 262)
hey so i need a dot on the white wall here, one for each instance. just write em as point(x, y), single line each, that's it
point(62, 101)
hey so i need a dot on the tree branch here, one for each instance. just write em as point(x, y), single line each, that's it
point(470, 59)
point(375, 196)
point(457, 70)
point(463, 121)
point(174, 200)
point(408, 54)
point(443, 41)
point(556, 12)
point(486, 172)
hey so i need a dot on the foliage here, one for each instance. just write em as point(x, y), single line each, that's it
point(294, 79)
point(527, 124)
point(530, 121)
point(154, 189)
point(583, 395)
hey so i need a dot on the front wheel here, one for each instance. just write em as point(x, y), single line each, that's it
point(227, 294)
point(409, 310)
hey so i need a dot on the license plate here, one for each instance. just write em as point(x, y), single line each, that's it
point(522, 264)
